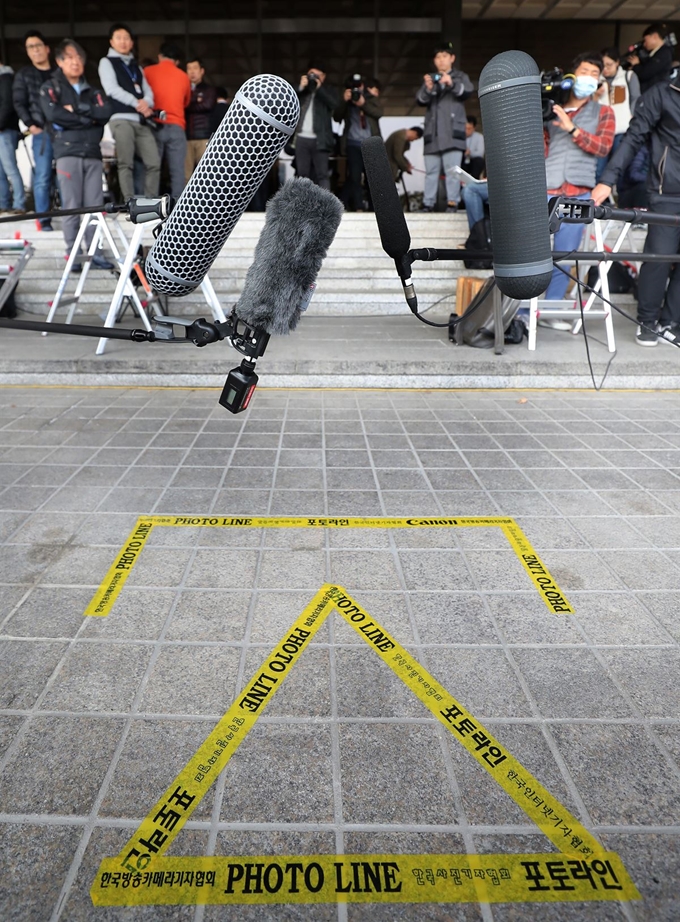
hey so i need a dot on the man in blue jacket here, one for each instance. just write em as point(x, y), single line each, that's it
point(76, 114)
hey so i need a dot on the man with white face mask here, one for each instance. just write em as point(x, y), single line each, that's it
point(582, 131)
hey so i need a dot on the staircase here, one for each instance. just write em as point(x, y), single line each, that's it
point(357, 277)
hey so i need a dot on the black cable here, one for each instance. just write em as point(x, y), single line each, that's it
point(580, 287)
point(107, 208)
point(474, 305)
point(615, 307)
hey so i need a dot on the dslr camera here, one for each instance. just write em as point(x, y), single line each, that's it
point(355, 83)
point(555, 88)
point(313, 79)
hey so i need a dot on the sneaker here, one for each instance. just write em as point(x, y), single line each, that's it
point(646, 337)
point(99, 262)
point(46, 227)
point(427, 208)
point(670, 334)
point(555, 324)
point(77, 268)
point(18, 211)
point(451, 207)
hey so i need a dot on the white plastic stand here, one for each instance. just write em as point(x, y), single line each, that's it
point(569, 309)
point(124, 266)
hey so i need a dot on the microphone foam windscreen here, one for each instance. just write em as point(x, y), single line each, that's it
point(301, 222)
point(510, 100)
point(257, 124)
point(394, 234)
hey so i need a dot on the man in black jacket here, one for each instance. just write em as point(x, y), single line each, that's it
point(198, 115)
point(314, 134)
point(656, 124)
point(26, 98)
point(361, 111)
point(655, 61)
point(9, 138)
point(76, 114)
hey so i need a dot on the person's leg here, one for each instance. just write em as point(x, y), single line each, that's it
point(303, 157)
point(451, 159)
point(353, 194)
point(93, 192)
point(8, 157)
point(5, 191)
point(42, 174)
point(70, 179)
point(433, 163)
point(474, 196)
point(320, 159)
point(195, 150)
point(123, 132)
point(175, 154)
point(653, 276)
point(147, 149)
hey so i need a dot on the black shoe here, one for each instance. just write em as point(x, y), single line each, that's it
point(427, 208)
point(670, 334)
point(77, 267)
point(98, 262)
point(646, 337)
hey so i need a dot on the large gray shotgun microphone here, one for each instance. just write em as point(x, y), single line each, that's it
point(258, 123)
point(510, 99)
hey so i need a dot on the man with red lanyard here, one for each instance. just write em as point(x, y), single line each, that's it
point(582, 131)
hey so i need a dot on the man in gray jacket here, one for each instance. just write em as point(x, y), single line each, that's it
point(132, 104)
point(444, 92)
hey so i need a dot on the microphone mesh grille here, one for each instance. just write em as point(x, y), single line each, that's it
point(235, 162)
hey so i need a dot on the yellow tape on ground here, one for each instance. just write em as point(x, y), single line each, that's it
point(114, 580)
point(141, 874)
point(532, 563)
point(264, 879)
point(554, 820)
point(102, 602)
point(174, 808)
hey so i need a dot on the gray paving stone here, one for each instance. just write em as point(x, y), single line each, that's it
point(191, 680)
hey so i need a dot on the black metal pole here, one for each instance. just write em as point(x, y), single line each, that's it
point(79, 329)
point(428, 254)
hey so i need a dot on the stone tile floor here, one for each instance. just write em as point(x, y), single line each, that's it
point(97, 715)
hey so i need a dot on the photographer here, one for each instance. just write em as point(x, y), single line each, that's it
point(654, 60)
point(75, 114)
point(444, 92)
point(656, 125)
point(582, 130)
point(314, 134)
point(361, 111)
point(620, 89)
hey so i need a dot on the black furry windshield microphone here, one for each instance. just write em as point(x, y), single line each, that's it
point(394, 234)
point(510, 99)
point(300, 224)
point(261, 118)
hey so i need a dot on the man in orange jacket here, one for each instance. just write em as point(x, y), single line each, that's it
point(172, 94)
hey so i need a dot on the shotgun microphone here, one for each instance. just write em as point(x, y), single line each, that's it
point(510, 99)
point(394, 233)
point(258, 123)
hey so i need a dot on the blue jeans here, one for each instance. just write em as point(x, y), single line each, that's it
point(9, 171)
point(42, 174)
point(568, 237)
point(475, 195)
point(434, 164)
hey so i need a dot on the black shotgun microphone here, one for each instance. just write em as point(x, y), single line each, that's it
point(510, 99)
point(394, 234)
point(259, 121)
point(300, 225)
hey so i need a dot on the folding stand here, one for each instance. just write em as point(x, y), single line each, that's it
point(568, 309)
point(124, 287)
point(10, 273)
